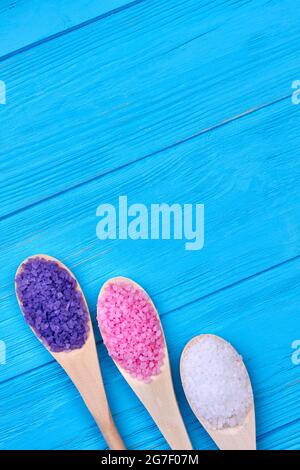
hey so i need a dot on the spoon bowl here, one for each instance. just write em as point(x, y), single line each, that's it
point(158, 395)
point(239, 437)
point(82, 366)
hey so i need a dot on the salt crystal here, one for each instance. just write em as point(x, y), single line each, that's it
point(216, 382)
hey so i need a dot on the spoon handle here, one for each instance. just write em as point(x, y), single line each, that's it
point(158, 397)
point(84, 371)
point(110, 433)
point(162, 406)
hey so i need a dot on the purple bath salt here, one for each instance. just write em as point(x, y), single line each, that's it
point(52, 304)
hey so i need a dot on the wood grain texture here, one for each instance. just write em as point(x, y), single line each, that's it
point(164, 101)
point(55, 18)
point(134, 83)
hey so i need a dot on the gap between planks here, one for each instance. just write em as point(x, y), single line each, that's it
point(71, 29)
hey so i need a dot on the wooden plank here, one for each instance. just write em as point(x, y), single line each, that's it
point(41, 20)
point(251, 222)
point(134, 83)
point(259, 316)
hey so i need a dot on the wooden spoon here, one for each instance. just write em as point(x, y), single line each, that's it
point(158, 396)
point(241, 437)
point(83, 368)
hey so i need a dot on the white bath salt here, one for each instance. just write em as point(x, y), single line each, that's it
point(216, 382)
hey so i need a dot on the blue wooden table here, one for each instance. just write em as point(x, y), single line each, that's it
point(162, 101)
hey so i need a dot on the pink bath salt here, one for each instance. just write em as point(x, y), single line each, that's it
point(131, 330)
